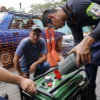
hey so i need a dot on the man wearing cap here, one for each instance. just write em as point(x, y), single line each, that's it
point(26, 59)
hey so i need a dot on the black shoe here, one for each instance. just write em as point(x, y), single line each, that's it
point(5, 96)
point(92, 97)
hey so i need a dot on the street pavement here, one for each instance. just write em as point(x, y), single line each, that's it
point(14, 93)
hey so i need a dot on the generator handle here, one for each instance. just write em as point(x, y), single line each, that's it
point(41, 91)
point(47, 94)
point(45, 73)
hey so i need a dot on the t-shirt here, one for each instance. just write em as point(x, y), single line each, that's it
point(30, 53)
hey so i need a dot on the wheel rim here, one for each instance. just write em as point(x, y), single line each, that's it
point(5, 58)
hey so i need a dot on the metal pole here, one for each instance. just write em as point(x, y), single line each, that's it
point(20, 6)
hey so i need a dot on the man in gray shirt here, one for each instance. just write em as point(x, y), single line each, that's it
point(26, 59)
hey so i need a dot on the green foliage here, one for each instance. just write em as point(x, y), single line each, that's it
point(64, 0)
point(37, 9)
point(12, 9)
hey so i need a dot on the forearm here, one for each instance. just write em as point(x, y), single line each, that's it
point(17, 66)
point(34, 65)
point(41, 60)
point(9, 77)
point(88, 40)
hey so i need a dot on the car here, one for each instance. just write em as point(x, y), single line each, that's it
point(14, 26)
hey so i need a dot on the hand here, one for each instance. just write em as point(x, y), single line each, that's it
point(82, 52)
point(24, 75)
point(28, 86)
point(32, 68)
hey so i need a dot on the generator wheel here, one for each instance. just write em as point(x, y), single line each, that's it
point(58, 44)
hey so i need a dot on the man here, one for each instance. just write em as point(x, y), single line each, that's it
point(74, 13)
point(26, 84)
point(26, 59)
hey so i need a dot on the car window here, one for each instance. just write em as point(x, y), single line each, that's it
point(21, 22)
point(38, 22)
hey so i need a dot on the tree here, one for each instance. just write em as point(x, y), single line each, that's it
point(64, 0)
point(12, 9)
point(37, 9)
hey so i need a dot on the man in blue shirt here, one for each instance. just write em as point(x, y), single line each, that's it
point(26, 59)
point(74, 14)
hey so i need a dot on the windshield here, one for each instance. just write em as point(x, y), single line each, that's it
point(2, 16)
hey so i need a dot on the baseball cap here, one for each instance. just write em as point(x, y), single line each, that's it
point(35, 27)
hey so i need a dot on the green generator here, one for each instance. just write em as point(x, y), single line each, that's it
point(72, 86)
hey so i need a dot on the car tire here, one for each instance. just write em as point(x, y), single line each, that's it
point(6, 59)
